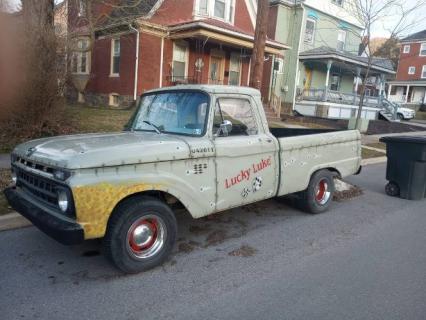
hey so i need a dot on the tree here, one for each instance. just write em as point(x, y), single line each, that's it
point(258, 55)
point(371, 13)
point(390, 50)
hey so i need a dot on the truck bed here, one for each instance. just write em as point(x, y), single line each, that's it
point(305, 151)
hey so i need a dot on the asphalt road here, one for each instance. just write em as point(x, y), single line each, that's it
point(364, 259)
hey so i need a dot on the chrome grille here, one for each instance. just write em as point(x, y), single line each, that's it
point(34, 165)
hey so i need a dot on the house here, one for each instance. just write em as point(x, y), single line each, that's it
point(320, 74)
point(160, 43)
point(409, 86)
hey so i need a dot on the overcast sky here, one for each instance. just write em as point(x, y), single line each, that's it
point(381, 29)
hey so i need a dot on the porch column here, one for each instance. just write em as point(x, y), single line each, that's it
point(389, 91)
point(327, 79)
point(382, 88)
point(406, 96)
point(358, 75)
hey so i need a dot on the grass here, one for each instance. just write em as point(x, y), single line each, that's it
point(89, 119)
point(368, 154)
point(5, 180)
point(378, 145)
point(420, 115)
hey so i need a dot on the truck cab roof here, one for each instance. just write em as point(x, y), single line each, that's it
point(211, 89)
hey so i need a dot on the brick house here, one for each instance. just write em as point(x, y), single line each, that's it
point(409, 86)
point(162, 43)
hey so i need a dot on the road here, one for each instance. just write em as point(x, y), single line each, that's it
point(364, 259)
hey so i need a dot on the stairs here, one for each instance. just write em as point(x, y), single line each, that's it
point(386, 115)
point(388, 111)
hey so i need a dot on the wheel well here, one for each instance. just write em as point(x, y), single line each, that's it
point(334, 171)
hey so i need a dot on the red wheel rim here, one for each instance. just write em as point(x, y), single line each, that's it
point(152, 227)
point(322, 192)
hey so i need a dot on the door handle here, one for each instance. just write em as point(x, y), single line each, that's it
point(269, 140)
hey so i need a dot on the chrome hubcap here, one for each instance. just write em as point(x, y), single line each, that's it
point(146, 237)
point(322, 192)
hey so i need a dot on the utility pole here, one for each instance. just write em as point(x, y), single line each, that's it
point(257, 58)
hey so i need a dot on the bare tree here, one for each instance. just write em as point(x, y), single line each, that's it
point(258, 54)
point(400, 19)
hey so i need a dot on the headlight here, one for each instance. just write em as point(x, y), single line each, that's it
point(61, 174)
point(63, 201)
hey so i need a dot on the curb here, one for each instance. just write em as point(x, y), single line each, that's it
point(377, 160)
point(13, 220)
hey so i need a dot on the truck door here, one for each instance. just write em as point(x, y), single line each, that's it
point(246, 156)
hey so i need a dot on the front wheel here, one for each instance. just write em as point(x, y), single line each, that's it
point(319, 194)
point(400, 116)
point(140, 235)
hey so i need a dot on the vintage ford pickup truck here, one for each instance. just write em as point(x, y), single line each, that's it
point(203, 148)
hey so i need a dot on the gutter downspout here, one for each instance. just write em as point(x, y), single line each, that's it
point(161, 62)
point(135, 91)
point(297, 56)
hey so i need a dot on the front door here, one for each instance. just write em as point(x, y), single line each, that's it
point(216, 70)
point(246, 157)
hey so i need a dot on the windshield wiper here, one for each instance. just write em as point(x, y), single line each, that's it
point(157, 129)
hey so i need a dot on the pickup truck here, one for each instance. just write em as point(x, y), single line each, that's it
point(203, 148)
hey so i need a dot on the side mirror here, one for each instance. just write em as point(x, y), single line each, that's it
point(225, 128)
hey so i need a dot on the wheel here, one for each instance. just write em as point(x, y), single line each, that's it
point(141, 234)
point(400, 116)
point(392, 189)
point(319, 194)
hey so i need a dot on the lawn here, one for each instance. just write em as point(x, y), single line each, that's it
point(89, 119)
point(420, 115)
point(378, 145)
point(368, 154)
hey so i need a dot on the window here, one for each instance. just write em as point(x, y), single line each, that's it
point(114, 100)
point(310, 30)
point(412, 70)
point(341, 40)
point(221, 9)
point(234, 69)
point(82, 8)
point(180, 112)
point(407, 48)
point(239, 112)
point(423, 50)
point(80, 63)
point(424, 72)
point(335, 82)
point(115, 57)
point(338, 2)
point(279, 65)
point(179, 61)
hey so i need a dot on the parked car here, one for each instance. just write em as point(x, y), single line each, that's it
point(204, 148)
point(405, 113)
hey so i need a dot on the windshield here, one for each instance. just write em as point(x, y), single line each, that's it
point(180, 112)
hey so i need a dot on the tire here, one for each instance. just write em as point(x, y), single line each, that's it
point(141, 234)
point(318, 196)
point(400, 116)
point(392, 189)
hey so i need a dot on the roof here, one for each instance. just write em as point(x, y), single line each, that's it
point(210, 88)
point(416, 36)
point(327, 52)
point(128, 10)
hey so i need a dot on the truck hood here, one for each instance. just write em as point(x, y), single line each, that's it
point(101, 150)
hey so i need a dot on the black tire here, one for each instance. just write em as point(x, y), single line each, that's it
point(134, 220)
point(400, 116)
point(318, 196)
point(392, 189)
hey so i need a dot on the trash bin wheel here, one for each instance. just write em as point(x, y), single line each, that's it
point(392, 189)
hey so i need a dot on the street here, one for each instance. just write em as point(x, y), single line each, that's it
point(364, 259)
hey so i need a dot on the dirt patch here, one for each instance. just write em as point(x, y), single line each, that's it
point(379, 145)
point(353, 192)
point(383, 127)
point(185, 247)
point(5, 181)
point(216, 237)
point(244, 251)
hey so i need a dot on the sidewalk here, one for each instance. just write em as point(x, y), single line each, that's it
point(4, 161)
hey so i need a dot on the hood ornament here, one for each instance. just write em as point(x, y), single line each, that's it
point(30, 151)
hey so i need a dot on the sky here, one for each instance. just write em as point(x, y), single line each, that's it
point(381, 29)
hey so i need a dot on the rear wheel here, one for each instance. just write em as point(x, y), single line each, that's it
point(140, 235)
point(400, 116)
point(319, 194)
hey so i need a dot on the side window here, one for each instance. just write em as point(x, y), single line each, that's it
point(239, 112)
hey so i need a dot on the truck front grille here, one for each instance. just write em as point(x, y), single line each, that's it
point(34, 165)
point(41, 188)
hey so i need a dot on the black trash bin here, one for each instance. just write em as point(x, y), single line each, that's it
point(406, 168)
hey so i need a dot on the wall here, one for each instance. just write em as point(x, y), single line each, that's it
point(410, 59)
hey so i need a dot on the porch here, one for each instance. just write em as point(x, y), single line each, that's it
point(330, 81)
point(411, 93)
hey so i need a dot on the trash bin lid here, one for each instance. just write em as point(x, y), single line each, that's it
point(404, 139)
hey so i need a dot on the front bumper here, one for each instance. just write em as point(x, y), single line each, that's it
point(59, 228)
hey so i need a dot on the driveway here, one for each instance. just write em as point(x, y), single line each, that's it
point(364, 259)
